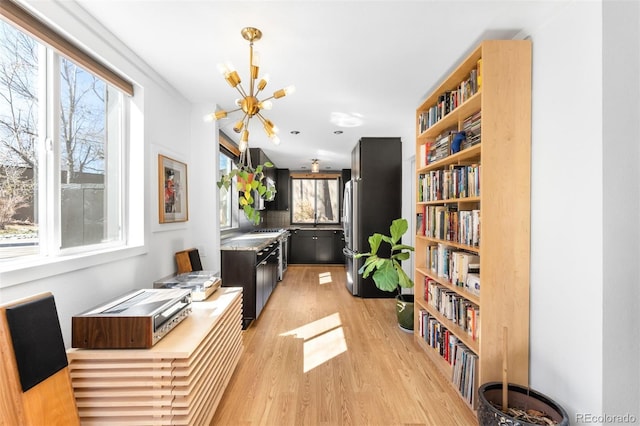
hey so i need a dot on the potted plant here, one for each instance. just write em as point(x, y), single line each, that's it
point(526, 407)
point(250, 184)
point(388, 274)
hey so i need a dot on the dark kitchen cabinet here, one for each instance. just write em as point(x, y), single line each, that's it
point(316, 246)
point(338, 246)
point(281, 201)
point(324, 247)
point(256, 273)
point(283, 183)
point(302, 247)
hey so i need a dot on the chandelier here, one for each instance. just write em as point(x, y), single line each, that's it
point(249, 102)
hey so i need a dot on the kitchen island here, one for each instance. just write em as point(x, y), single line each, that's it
point(254, 261)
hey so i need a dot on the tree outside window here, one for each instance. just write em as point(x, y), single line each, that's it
point(87, 148)
point(315, 201)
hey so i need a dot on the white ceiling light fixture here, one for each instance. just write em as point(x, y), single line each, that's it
point(315, 166)
point(249, 102)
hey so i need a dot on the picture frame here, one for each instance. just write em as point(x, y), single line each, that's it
point(173, 203)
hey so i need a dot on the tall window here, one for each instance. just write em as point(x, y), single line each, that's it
point(61, 151)
point(315, 201)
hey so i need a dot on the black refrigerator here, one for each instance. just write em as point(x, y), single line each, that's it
point(372, 200)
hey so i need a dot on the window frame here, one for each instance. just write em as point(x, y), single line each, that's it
point(325, 177)
point(228, 148)
point(51, 259)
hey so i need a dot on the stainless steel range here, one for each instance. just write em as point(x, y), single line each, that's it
point(283, 239)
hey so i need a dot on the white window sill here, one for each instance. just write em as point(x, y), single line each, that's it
point(35, 268)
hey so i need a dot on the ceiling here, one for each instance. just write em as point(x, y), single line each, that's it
point(360, 67)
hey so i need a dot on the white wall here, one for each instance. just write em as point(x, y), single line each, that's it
point(170, 128)
point(621, 202)
point(585, 200)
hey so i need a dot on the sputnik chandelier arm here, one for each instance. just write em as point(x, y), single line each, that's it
point(249, 102)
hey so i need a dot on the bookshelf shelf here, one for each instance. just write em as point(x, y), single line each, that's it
point(453, 118)
point(498, 107)
point(450, 201)
point(443, 282)
point(468, 155)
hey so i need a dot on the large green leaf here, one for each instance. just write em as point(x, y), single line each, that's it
point(398, 228)
point(374, 242)
point(370, 265)
point(403, 279)
point(401, 256)
point(386, 277)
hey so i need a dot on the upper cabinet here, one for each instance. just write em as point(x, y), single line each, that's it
point(283, 183)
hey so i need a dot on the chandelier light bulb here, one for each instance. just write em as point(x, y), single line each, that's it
point(255, 60)
point(275, 140)
point(243, 146)
point(315, 166)
point(266, 105)
point(284, 92)
point(223, 69)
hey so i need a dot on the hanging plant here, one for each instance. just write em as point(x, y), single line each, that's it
point(250, 183)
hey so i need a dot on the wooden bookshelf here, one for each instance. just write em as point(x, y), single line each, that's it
point(504, 154)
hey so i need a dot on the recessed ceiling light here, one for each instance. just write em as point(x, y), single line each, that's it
point(338, 132)
point(295, 132)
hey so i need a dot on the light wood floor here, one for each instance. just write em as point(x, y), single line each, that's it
point(319, 356)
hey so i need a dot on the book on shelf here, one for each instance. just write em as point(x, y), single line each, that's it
point(441, 146)
point(472, 126)
point(463, 264)
point(448, 224)
point(453, 351)
point(449, 100)
point(420, 223)
point(423, 155)
point(472, 284)
point(457, 181)
point(463, 374)
point(452, 306)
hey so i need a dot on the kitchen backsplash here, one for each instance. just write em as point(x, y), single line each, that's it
point(276, 219)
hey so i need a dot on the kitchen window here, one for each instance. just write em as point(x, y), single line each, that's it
point(228, 197)
point(62, 147)
point(315, 201)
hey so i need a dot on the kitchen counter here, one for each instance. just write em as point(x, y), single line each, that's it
point(255, 241)
point(315, 228)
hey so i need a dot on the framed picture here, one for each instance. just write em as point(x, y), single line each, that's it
point(172, 190)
